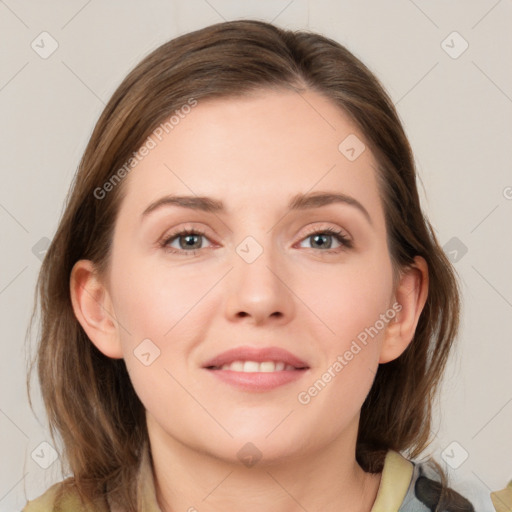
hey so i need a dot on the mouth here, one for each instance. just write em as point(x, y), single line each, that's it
point(251, 360)
point(251, 369)
point(255, 366)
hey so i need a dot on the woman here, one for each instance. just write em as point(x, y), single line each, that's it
point(244, 303)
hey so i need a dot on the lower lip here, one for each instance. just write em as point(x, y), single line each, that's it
point(258, 381)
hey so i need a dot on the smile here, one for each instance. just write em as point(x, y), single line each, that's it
point(254, 366)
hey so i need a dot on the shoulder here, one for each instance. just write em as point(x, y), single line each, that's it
point(45, 502)
point(426, 492)
point(502, 500)
point(62, 497)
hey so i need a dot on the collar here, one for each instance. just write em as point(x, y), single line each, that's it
point(394, 483)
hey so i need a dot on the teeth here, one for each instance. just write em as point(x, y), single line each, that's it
point(267, 366)
point(253, 366)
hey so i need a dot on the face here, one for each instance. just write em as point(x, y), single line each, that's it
point(263, 267)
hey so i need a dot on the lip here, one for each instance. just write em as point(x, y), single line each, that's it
point(258, 355)
point(257, 381)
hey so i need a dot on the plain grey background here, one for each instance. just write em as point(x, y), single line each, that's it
point(446, 66)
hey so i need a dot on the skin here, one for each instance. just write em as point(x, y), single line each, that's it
point(254, 154)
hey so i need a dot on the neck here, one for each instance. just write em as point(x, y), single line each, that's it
point(330, 480)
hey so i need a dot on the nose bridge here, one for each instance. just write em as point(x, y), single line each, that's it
point(257, 288)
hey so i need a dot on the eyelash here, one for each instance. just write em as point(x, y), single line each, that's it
point(345, 242)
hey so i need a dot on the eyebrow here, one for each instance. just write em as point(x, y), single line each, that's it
point(297, 202)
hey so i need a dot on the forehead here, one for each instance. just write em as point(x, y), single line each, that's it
point(266, 146)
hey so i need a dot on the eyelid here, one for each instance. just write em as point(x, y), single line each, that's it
point(326, 227)
point(189, 226)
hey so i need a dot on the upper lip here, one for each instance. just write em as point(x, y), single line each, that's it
point(259, 355)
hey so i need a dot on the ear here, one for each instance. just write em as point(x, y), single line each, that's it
point(93, 309)
point(410, 297)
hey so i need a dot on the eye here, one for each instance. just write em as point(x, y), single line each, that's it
point(187, 240)
point(322, 240)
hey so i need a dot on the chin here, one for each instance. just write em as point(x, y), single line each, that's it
point(260, 454)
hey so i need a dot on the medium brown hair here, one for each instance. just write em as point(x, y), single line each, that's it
point(89, 398)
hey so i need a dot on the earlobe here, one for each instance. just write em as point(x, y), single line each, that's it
point(411, 296)
point(93, 309)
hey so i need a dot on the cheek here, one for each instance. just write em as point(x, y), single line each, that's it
point(151, 299)
point(157, 303)
point(350, 298)
point(351, 302)
point(160, 303)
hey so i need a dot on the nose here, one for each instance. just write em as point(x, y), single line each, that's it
point(260, 291)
